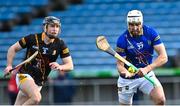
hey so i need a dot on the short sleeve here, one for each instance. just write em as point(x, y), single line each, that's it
point(121, 46)
point(26, 41)
point(64, 50)
point(155, 37)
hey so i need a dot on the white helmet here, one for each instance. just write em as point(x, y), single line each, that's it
point(134, 16)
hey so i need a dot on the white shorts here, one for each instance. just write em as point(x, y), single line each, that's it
point(127, 87)
point(21, 78)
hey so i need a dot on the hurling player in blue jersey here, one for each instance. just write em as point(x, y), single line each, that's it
point(137, 44)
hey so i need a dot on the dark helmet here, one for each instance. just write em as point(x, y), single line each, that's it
point(51, 20)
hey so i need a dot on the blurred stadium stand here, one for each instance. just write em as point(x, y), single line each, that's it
point(82, 21)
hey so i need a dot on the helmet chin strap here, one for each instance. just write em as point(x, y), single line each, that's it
point(50, 36)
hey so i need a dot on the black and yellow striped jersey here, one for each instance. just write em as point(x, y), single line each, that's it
point(39, 67)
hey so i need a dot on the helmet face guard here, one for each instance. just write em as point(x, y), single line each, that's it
point(51, 20)
point(135, 22)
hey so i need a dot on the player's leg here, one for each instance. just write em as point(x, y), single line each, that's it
point(156, 93)
point(21, 98)
point(29, 91)
point(32, 91)
point(126, 90)
point(158, 96)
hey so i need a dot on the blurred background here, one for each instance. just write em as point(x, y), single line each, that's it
point(93, 81)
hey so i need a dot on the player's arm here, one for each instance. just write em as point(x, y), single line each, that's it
point(122, 70)
point(120, 67)
point(161, 51)
point(162, 56)
point(10, 55)
point(120, 49)
point(66, 66)
point(67, 63)
point(159, 61)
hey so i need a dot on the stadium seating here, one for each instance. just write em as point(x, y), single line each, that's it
point(83, 22)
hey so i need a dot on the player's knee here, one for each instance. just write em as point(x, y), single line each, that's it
point(36, 98)
point(161, 101)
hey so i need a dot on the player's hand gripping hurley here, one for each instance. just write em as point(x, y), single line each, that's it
point(103, 45)
point(20, 64)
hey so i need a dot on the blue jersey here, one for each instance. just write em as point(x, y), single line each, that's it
point(138, 50)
